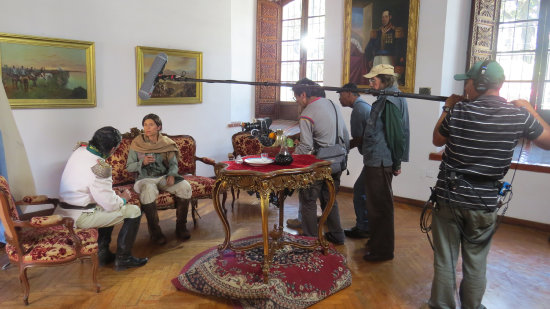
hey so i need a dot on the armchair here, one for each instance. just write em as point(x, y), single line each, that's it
point(44, 240)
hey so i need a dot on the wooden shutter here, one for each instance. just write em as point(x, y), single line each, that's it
point(268, 49)
point(483, 30)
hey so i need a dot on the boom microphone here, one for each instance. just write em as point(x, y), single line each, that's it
point(151, 78)
point(155, 73)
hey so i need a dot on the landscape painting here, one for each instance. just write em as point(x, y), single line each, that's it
point(170, 88)
point(47, 73)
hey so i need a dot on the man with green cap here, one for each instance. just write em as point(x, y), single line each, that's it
point(480, 131)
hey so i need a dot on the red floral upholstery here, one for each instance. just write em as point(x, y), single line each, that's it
point(244, 145)
point(53, 244)
point(5, 189)
point(118, 163)
point(202, 186)
point(187, 164)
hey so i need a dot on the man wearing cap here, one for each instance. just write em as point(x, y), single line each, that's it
point(349, 97)
point(385, 146)
point(480, 131)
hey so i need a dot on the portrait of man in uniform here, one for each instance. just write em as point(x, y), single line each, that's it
point(378, 34)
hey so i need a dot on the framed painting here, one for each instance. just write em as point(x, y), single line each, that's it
point(40, 72)
point(380, 32)
point(180, 63)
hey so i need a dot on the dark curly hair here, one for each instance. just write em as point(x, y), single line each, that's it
point(308, 86)
point(106, 139)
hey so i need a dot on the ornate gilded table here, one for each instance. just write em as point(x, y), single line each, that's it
point(304, 170)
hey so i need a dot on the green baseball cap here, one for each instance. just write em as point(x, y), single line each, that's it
point(493, 72)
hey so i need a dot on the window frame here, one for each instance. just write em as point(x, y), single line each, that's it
point(304, 24)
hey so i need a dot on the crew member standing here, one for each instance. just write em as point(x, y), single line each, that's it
point(480, 132)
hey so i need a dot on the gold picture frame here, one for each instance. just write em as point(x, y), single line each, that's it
point(364, 30)
point(39, 72)
point(180, 63)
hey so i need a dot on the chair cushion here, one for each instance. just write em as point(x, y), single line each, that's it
point(52, 244)
point(201, 186)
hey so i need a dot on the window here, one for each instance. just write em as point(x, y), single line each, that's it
point(302, 43)
point(522, 50)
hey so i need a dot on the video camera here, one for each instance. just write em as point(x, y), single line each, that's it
point(259, 128)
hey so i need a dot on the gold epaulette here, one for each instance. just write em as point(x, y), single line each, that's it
point(399, 32)
point(80, 144)
point(373, 34)
point(102, 169)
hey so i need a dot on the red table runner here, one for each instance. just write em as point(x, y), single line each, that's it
point(300, 161)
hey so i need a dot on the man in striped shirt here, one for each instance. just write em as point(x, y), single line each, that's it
point(480, 132)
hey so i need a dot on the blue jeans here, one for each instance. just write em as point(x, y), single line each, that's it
point(359, 202)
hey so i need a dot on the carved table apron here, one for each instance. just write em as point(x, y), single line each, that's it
point(305, 170)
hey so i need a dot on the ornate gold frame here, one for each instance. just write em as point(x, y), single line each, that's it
point(33, 41)
point(141, 51)
point(411, 44)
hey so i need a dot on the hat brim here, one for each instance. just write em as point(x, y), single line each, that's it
point(462, 77)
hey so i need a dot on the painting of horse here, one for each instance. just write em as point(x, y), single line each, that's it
point(43, 72)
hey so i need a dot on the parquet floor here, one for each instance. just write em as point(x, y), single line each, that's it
point(518, 270)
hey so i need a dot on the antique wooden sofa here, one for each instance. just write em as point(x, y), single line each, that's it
point(202, 186)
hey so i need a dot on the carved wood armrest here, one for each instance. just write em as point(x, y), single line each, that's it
point(46, 221)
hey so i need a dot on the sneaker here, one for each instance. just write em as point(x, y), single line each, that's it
point(293, 224)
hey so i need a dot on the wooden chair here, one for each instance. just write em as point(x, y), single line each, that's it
point(243, 145)
point(43, 241)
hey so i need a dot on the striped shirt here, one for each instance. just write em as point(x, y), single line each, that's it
point(481, 137)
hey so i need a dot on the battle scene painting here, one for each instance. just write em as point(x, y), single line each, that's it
point(41, 72)
point(180, 64)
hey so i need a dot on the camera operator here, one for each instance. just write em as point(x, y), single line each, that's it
point(480, 132)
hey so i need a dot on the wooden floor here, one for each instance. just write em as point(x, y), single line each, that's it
point(518, 269)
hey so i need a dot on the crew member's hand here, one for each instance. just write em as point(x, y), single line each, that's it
point(124, 194)
point(148, 160)
point(170, 181)
point(397, 172)
point(453, 99)
point(522, 103)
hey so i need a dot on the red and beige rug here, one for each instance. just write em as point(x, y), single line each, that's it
point(298, 278)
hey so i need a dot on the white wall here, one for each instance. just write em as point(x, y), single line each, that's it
point(117, 27)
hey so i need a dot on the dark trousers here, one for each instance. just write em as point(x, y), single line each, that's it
point(380, 209)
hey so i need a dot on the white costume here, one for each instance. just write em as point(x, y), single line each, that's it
point(87, 180)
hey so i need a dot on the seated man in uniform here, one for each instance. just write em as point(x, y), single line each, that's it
point(87, 195)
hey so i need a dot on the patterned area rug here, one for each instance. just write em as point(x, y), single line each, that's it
point(298, 278)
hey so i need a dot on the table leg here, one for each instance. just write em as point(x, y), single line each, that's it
point(282, 197)
point(264, 201)
point(330, 184)
point(221, 214)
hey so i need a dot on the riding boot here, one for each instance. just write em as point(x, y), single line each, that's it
point(152, 215)
point(103, 241)
point(182, 208)
point(125, 242)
